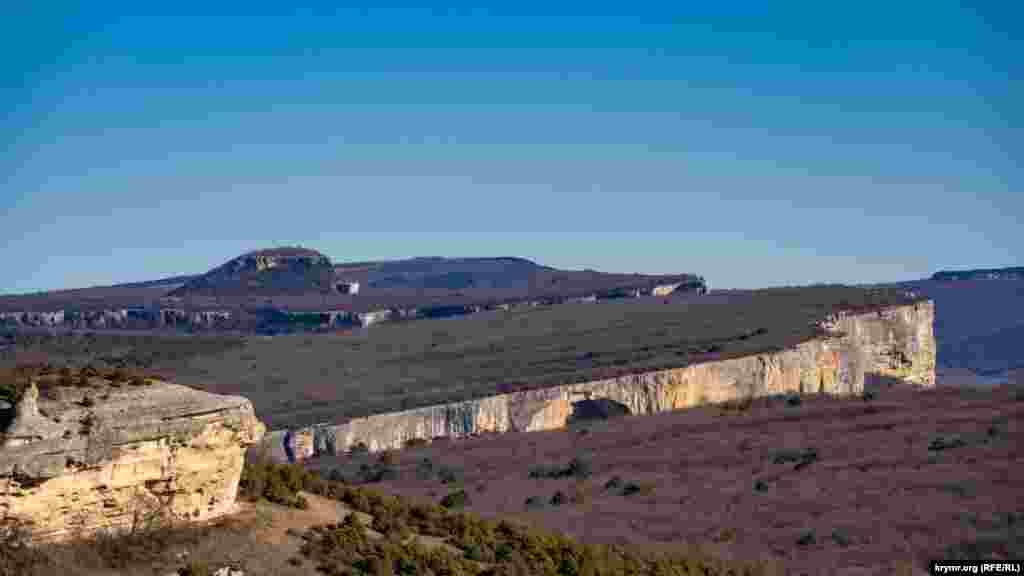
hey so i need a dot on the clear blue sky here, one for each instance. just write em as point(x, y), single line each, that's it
point(808, 142)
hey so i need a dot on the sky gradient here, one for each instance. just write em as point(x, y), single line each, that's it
point(757, 147)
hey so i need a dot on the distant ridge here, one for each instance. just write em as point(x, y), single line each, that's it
point(170, 281)
point(303, 280)
point(1009, 273)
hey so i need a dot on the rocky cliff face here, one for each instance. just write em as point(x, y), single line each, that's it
point(864, 349)
point(73, 465)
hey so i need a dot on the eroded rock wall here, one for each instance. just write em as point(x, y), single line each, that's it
point(75, 466)
point(861, 349)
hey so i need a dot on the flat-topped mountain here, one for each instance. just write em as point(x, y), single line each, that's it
point(269, 272)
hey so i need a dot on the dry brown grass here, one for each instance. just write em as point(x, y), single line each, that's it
point(258, 540)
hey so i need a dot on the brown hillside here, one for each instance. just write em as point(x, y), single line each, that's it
point(829, 486)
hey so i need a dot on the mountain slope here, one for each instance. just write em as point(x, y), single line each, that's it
point(271, 272)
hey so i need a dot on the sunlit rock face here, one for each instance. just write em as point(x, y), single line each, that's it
point(857, 350)
point(72, 466)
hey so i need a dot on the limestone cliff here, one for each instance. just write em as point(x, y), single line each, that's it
point(895, 343)
point(84, 459)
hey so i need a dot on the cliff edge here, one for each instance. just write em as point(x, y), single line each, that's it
point(78, 459)
point(857, 351)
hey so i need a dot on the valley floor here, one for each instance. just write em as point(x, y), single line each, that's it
point(847, 486)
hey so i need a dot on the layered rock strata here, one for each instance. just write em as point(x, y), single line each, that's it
point(79, 460)
point(859, 350)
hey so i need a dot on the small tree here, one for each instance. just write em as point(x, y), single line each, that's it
point(456, 499)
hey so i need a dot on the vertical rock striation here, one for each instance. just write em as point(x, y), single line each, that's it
point(858, 350)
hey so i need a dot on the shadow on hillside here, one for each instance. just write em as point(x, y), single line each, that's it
point(875, 382)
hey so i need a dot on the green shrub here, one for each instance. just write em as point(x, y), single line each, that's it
point(447, 475)
point(456, 499)
point(578, 467)
point(277, 483)
point(806, 539)
point(503, 552)
point(840, 538)
point(511, 548)
point(559, 498)
point(630, 488)
point(533, 502)
point(473, 552)
point(615, 483)
point(946, 443)
point(425, 469)
point(794, 400)
point(378, 472)
point(799, 458)
point(544, 471)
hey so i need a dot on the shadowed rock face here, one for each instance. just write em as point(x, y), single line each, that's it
point(597, 409)
point(891, 344)
point(74, 465)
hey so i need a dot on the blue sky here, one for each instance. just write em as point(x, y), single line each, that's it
point(756, 146)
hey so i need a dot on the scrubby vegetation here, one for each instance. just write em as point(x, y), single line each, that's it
point(448, 475)
point(277, 483)
point(578, 467)
point(129, 352)
point(14, 381)
point(456, 499)
point(486, 547)
point(799, 458)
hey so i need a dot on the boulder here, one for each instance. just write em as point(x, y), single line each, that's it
point(78, 460)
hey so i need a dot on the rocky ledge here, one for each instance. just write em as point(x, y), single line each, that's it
point(76, 460)
point(857, 352)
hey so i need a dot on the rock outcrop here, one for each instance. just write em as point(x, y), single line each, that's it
point(271, 272)
point(859, 350)
point(78, 460)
